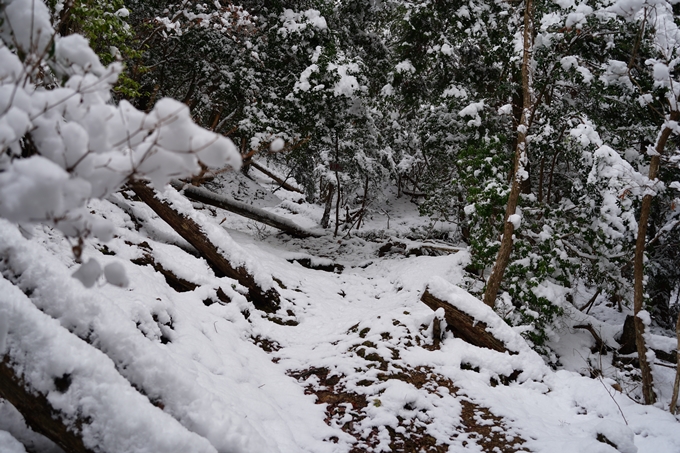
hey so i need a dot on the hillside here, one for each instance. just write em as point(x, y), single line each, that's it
point(180, 361)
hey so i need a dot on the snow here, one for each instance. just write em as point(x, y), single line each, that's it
point(88, 273)
point(296, 22)
point(578, 17)
point(9, 444)
point(473, 110)
point(405, 66)
point(114, 416)
point(115, 274)
point(217, 386)
point(277, 145)
point(84, 146)
point(165, 354)
point(516, 220)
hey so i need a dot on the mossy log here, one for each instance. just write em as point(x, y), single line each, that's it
point(463, 325)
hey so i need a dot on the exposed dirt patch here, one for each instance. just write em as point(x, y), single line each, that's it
point(266, 344)
point(346, 409)
point(488, 430)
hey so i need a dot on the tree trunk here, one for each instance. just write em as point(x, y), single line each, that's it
point(266, 300)
point(503, 256)
point(37, 411)
point(329, 205)
point(639, 270)
point(337, 180)
point(260, 215)
point(676, 386)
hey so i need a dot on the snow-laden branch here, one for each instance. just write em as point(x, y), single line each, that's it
point(63, 144)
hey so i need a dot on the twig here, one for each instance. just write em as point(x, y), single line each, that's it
point(590, 302)
point(599, 378)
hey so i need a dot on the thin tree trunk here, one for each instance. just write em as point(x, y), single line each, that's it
point(676, 386)
point(330, 188)
point(550, 179)
point(639, 269)
point(337, 210)
point(363, 204)
point(267, 300)
point(337, 178)
point(540, 181)
point(503, 256)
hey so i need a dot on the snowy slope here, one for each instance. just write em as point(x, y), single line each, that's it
point(347, 364)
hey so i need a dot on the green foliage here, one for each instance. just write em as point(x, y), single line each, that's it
point(484, 175)
point(427, 95)
point(103, 23)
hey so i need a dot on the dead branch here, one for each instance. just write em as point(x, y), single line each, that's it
point(591, 301)
point(599, 344)
point(229, 204)
point(280, 181)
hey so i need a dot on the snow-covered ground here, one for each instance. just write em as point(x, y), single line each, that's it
point(348, 364)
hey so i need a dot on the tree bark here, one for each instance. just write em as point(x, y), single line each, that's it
point(463, 325)
point(676, 385)
point(503, 256)
point(260, 215)
point(325, 219)
point(339, 188)
point(639, 269)
point(266, 300)
point(38, 413)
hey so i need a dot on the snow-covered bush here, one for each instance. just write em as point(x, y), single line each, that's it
point(62, 140)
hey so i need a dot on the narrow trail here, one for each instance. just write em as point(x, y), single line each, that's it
point(347, 364)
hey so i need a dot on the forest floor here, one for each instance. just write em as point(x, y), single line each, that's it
point(349, 362)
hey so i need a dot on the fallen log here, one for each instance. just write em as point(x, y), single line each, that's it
point(463, 325)
point(260, 215)
point(278, 180)
point(266, 300)
point(71, 392)
point(38, 413)
point(401, 248)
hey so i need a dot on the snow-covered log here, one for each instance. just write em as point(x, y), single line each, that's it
point(278, 180)
point(260, 215)
point(465, 324)
point(39, 415)
point(263, 299)
point(72, 393)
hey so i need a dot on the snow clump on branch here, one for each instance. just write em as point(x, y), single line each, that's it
point(63, 141)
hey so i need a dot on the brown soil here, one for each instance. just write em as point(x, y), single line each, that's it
point(485, 428)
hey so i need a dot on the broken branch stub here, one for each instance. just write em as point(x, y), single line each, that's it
point(464, 326)
point(265, 300)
